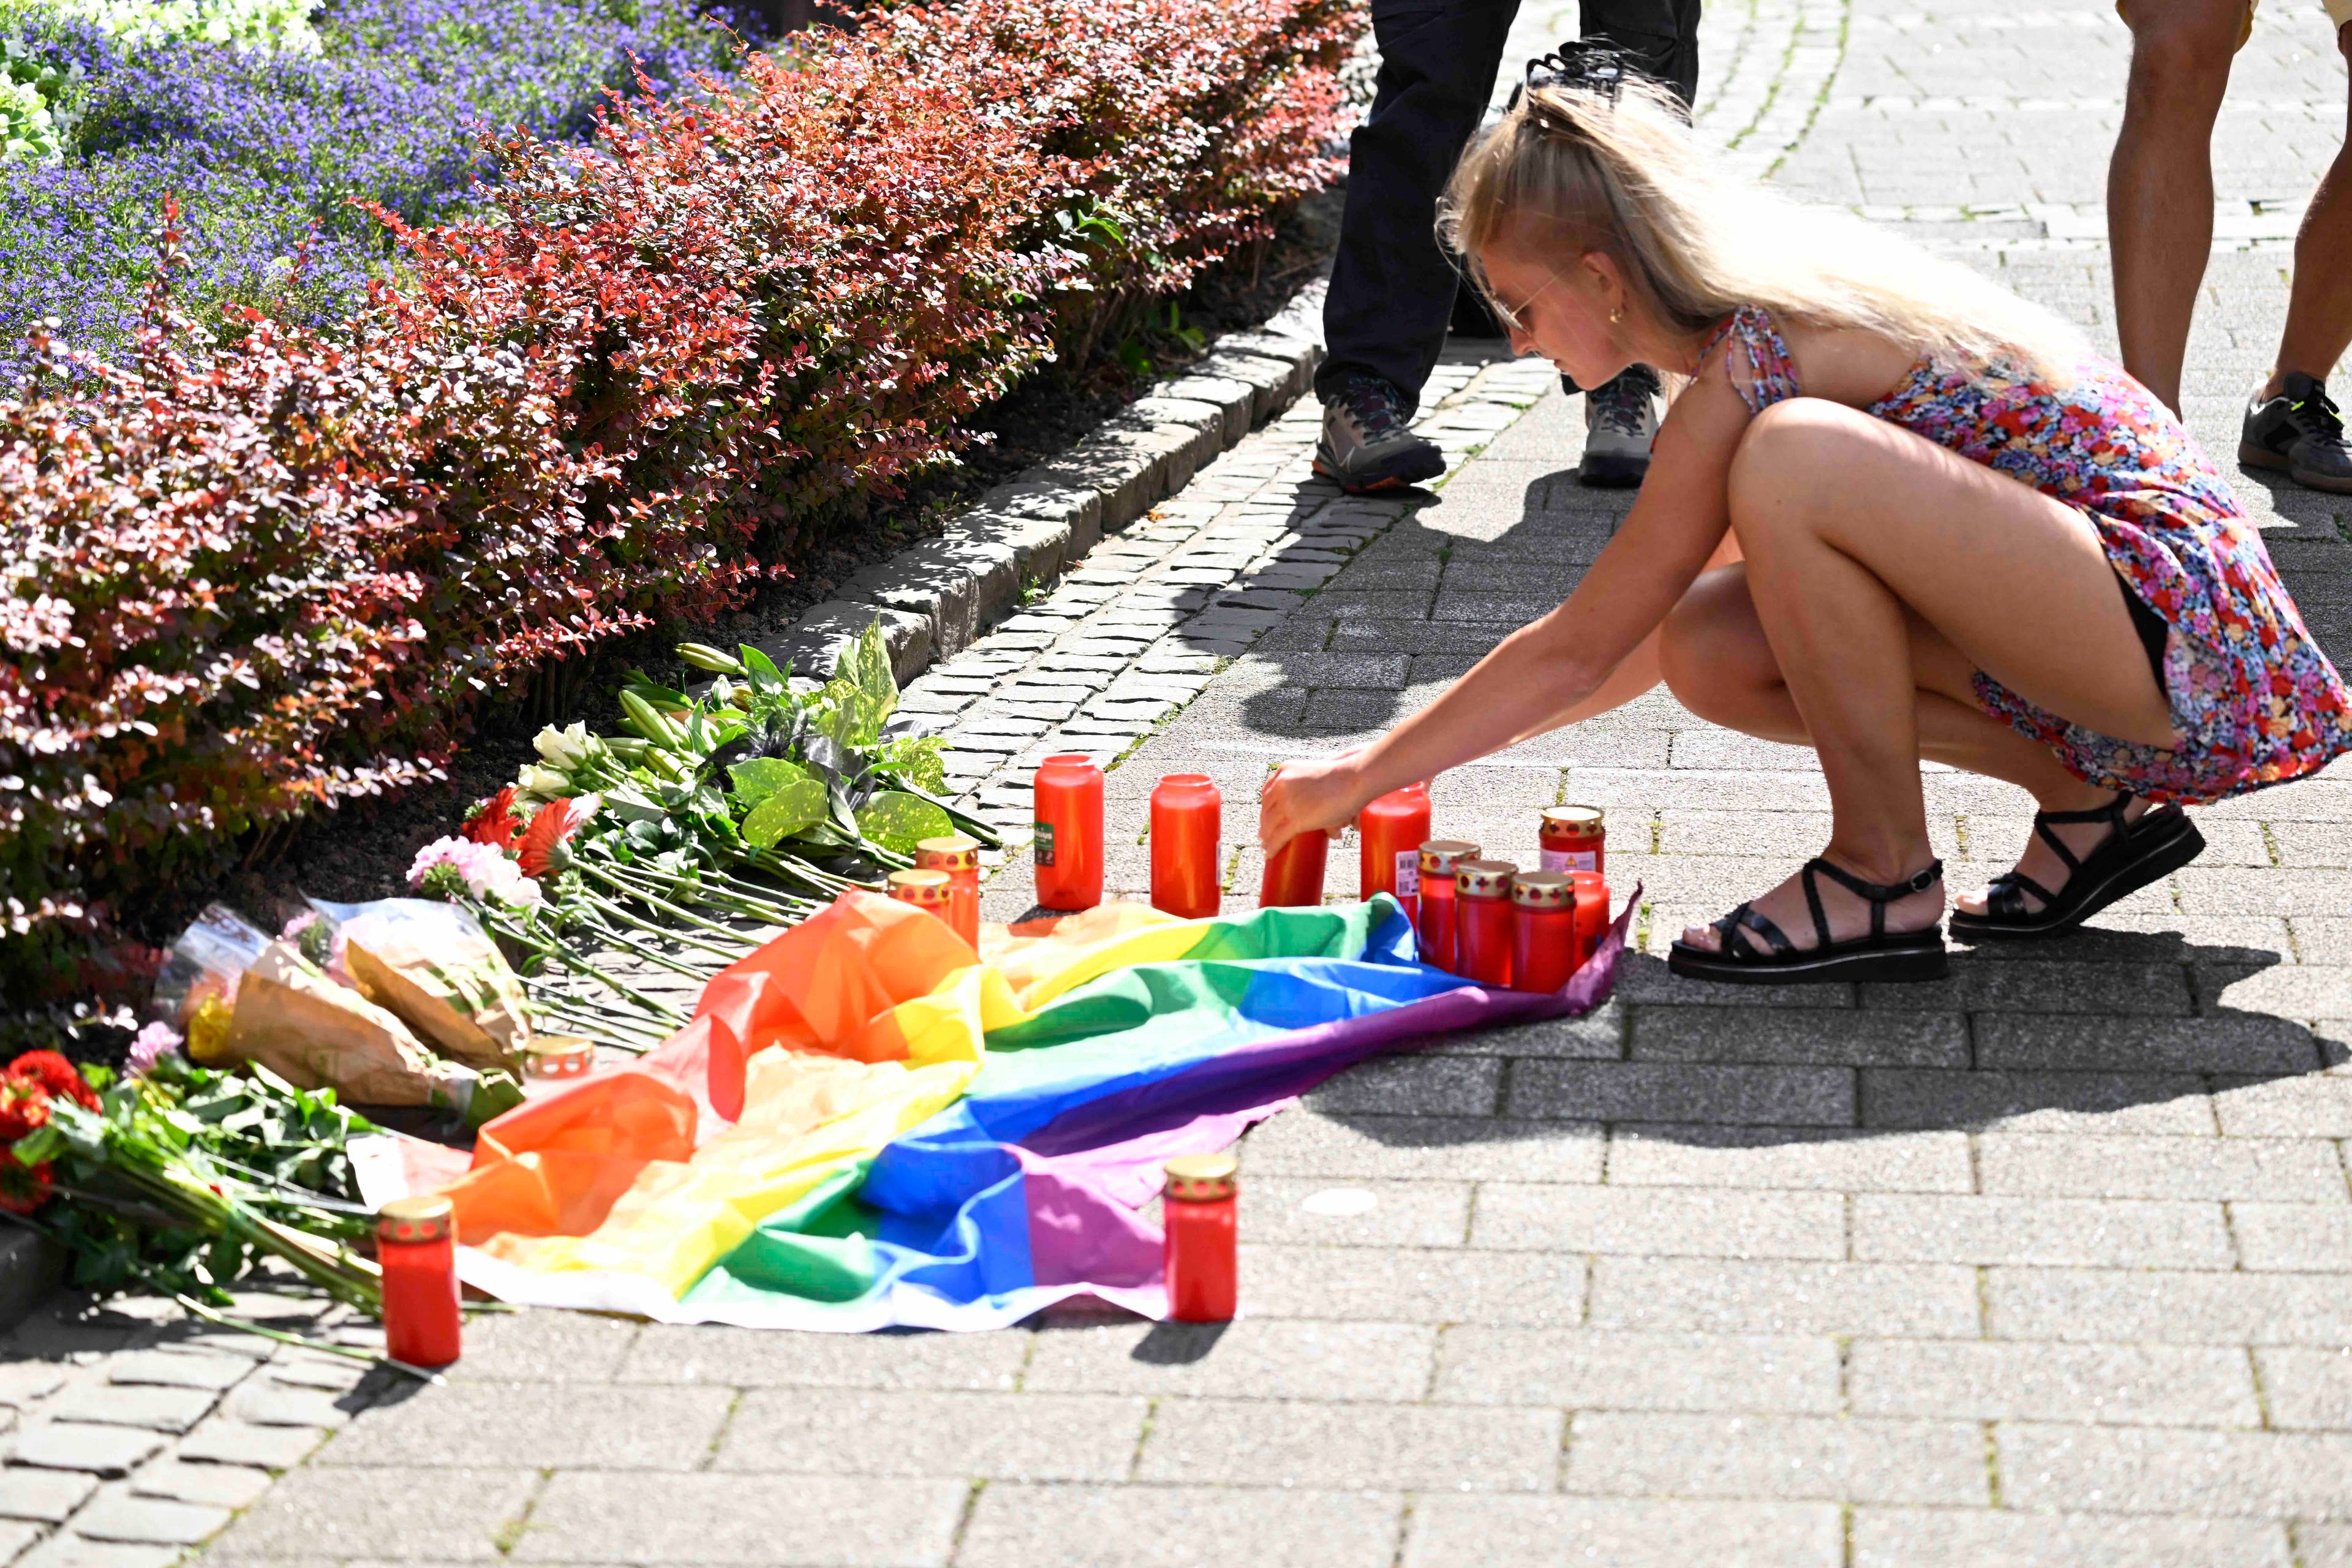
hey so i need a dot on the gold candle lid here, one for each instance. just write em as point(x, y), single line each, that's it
point(1197, 1178)
point(1484, 878)
point(407, 1220)
point(921, 888)
point(559, 1055)
point(1442, 857)
point(1543, 891)
point(1575, 821)
point(950, 853)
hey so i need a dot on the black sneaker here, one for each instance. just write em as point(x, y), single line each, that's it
point(2300, 431)
point(1367, 445)
point(1621, 421)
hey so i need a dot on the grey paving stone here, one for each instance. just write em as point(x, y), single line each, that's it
point(1178, 1527)
point(66, 1550)
point(220, 1440)
point(1550, 1532)
point(1662, 1221)
point(1013, 1436)
point(1691, 1034)
point(1256, 1443)
point(2155, 1385)
point(325, 1512)
point(854, 1521)
point(1656, 1091)
point(119, 1514)
point(24, 1382)
point(1425, 1086)
point(2161, 1167)
point(2310, 1105)
point(540, 1424)
point(220, 1486)
point(1788, 1157)
point(2238, 1043)
point(1772, 1297)
point(1603, 1370)
point(76, 1445)
point(28, 1492)
point(2311, 1389)
point(1259, 1358)
point(753, 1358)
point(1306, 1143)
point(177, 1369)
point(1598, 1035)
point(2168, 1306)
point(2302, 1237)
point(2323, 1545)
point(1422, 1285)
point(266, 1402)
point(1841, 1460)
point(1988, 1538)
point(1937, 1227)
point(1367, 1212)
point(16, 1535)
point(2156, 1104)
point(2164, 1470)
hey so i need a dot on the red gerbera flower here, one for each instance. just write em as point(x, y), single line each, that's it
point(551, 829)
point(58, 1075)
point(23, 1105)
point(23, 1188)
point(494, 821)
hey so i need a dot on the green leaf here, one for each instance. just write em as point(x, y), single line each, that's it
point(896, 820)
point(765, 677)
point(784, 813)
point(761, 777)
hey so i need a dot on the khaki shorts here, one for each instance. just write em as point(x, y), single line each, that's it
point(2339, 15)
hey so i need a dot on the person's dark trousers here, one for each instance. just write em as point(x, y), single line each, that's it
point(1393, 288)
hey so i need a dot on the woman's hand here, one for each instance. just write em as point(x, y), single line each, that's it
point(1326, 792)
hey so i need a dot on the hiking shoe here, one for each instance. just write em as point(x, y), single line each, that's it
point(1621, 420)
point(2300, 431)
point(1368, 445)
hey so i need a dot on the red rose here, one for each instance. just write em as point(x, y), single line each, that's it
point(23, 1105)
point(23, 1188)
point(58, 1075)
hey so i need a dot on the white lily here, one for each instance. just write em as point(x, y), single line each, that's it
point(566, 748)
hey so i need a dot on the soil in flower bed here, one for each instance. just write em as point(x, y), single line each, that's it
point(363, 851)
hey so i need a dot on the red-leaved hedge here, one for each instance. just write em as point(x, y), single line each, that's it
point(254, 571)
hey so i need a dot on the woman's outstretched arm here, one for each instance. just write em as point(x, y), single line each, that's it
point(1560, 667)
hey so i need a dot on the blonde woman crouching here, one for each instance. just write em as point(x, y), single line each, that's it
point(1898, 513)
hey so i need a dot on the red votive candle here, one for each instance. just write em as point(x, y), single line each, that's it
point(959, 857)
point(1068, 822)
point(1187, 815)
point(1434, 906)
point(1197, 1210)
point(1394, 827)
point(1293, 873)
point(1543, 930)
point(1482, 934)
point(417, 1247)
point(1574, 838)
point(927, 891)
point(1591, 914)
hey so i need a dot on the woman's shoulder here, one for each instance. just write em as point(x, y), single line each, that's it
point(1852, 365)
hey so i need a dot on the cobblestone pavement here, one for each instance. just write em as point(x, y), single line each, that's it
point(2046, 1264)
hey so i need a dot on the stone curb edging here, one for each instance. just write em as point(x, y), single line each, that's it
point(934, 598)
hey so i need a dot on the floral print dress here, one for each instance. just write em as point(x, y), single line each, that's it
point(2254, 699)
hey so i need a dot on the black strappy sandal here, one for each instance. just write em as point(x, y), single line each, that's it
point(2133, 855)
point(1881, 955)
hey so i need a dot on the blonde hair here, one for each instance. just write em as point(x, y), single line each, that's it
point(1621, 176)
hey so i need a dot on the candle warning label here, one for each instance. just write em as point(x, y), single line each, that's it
point(1041, 849)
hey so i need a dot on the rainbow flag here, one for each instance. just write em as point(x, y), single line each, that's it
point(868, 1124)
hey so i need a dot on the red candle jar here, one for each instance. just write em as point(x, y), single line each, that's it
point(1067, 821)
point(1543, 930)
point(1187, 817)
point(1591, 914)
point(554, 1059)
point(1573, 839)
point(927, 891)
point(1293, 873)
point(1434, 908)
point(1394, 827)
point(959, 857)
point(1204, 1267)
point(417, 1247)
point(1482, 933)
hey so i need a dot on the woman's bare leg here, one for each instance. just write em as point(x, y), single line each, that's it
point(1851, 528)
point(1718, 664)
